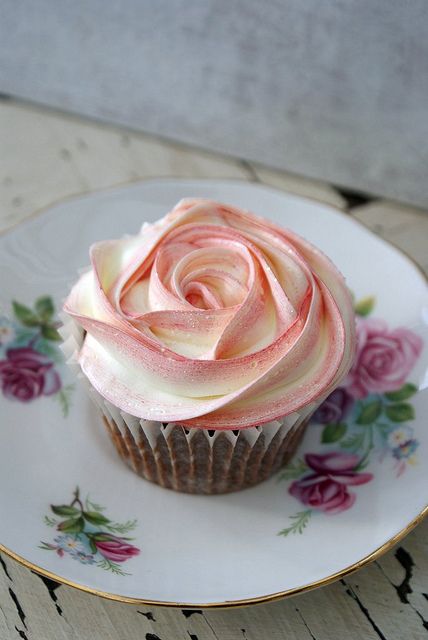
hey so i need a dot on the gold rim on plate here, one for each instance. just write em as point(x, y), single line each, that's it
point(271, 597)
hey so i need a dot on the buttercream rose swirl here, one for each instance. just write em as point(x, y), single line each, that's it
point(212, 317)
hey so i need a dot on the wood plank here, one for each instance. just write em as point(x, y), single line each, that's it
point(406, 227)
point(297, 185)
point(48, 156)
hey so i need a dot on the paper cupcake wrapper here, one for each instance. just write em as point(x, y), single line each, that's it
point(198, 460)
point(192, 460)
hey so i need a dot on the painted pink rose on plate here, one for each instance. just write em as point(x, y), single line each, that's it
point(114, 548)
point(326, 489)
point(26, 374)
point(30, 355)
point(384, 358)
point(335, 408)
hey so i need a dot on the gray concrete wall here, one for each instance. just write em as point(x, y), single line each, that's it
point(333, 89)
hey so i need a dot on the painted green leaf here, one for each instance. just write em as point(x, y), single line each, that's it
point(72, 525)
point(101, 536)
point(370, 412)
point(25, 315)
point(44, 308)
point(108, 565)
point(64, 398)
point(365, 306)
point(400, 412)
point(92, 545)
point(362, 464)
point(65, 510)
point(299, 522)
point(51, 522)
point(333, 432)
point(353, 442)
point(292, 471)
point(47, 547)
point(129, 525)
point(406, 392)
point(50, 333)
point(94, 517)
point(93, 506)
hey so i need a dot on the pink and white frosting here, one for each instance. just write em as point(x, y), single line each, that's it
point(213, 317)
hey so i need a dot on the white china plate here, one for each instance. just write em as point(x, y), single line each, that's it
point(196, 550)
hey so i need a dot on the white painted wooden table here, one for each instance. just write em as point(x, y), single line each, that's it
point(45, 157)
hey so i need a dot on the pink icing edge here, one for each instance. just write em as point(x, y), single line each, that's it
point(203, 421)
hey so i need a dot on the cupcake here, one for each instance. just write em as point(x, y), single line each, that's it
point(207, 342)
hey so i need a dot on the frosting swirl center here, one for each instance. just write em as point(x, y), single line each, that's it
point(212, 317)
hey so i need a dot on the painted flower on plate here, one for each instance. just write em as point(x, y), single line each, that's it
point(399, 436)
point(327, 487)
point(83, 558)
point(30, 354)
point(335, 408)
point(89, 536)
point(405, 450)
point(369, 412)
point(26, 374)
point(69, 543)
point(114, 548)
point(384, 358)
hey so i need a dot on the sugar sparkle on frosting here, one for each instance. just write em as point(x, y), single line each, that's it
point(212, 317)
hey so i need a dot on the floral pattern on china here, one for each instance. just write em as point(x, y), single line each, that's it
point(86, 534)
point(366, 417)
point(30, 356)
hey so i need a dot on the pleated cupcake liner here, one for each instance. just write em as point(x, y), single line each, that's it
point(192, 460)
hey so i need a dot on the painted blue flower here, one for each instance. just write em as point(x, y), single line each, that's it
point(399, 436)
point(70, 544)
point(405, 450)
point(84, 558)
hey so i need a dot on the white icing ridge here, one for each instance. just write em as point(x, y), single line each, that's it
point(213, 318)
